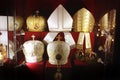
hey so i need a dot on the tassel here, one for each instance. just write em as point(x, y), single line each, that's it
point(58, 75)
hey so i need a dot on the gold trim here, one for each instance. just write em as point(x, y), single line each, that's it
point(83, 21)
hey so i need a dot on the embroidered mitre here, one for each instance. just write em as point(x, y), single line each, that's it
point(83, 21)
point(58, 47)
point(36, 22)
point(33, 50)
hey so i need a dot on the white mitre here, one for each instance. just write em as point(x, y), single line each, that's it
point(58, 47)
point(60, 20)
point(33, 51)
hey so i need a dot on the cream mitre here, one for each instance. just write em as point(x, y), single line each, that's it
point(58, 48)
point(33, 50)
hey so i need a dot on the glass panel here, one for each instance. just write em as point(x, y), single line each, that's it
point(105, 34)
point(7, 9)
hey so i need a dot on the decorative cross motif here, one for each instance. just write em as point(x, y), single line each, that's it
point(58, 38)
point(33, 37)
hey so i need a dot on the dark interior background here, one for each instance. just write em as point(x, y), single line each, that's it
point(27, 7)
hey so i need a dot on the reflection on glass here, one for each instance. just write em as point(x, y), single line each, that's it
point(107, 29)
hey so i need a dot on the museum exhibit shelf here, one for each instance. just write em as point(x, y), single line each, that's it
point(91, 28)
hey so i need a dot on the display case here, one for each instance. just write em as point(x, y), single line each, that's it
point(59, 40)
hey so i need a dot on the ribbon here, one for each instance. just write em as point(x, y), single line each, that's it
point(88, 43)
point(80, 41)
point(68, 38)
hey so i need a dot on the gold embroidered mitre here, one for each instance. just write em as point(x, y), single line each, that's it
point(83, 21)
point(107, 22)
point(36, 22)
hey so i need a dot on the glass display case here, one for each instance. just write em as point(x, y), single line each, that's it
point(70, 39)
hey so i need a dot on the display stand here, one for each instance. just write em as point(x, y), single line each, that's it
point(50, 71)
point(37, 69)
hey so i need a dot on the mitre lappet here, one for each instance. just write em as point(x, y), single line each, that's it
point(33, 50)
point(58, 52)
point(60, 21)
point(83, 22)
